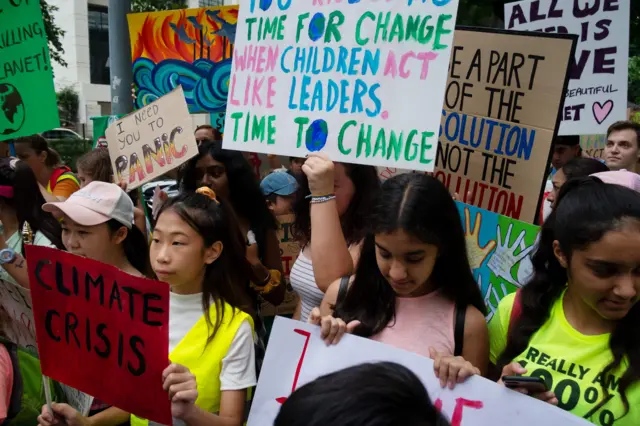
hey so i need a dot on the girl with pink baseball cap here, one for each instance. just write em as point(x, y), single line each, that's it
point(97, 222)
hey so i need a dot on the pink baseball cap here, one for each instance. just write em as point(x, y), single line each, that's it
point(96, 203)
point(620, 177)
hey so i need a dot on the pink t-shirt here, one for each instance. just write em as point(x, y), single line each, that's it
point(421, 322)
point(6, 382)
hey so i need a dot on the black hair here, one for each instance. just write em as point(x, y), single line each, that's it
point(39, 144)
point(135, 247)
point(423, 207)
point(566, 140)
point(27, 200)
point(367, 185)
point(585, 211)
point(245, 195)
point(373, 394)
point(582, 167)
point(226, 279)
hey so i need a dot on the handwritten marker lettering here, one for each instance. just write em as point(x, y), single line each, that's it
point(307, 335)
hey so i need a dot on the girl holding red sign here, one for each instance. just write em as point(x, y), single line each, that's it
point(199, 250)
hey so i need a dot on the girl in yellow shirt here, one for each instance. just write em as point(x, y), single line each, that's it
point(575, 324)
point(199, 250)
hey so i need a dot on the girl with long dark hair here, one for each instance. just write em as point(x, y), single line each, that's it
point(331, 205)
point(413, 287)
point(575, 323)
point(229, 174)
point(198, 249)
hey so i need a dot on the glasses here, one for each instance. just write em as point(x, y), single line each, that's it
point(213, 171)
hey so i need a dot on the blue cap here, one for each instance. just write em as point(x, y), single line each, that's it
point(279, 183)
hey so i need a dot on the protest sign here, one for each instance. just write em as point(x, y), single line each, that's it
point(217, 120)
point(297, 355)
point(500, 116)
point(192, 47)
point(362, 82)
point(593, 146)
point(160, 135)
point(96, 318)
point(289, 250)
point(100, 125)
point(17, 322)
point(597, 93)
point(499, 250)
point(28, 102)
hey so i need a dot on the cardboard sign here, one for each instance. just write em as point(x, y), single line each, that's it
point(360, 81)
point(499, 250)
point(296, 355)
point(28, 102)
point(101, 331)
point(289, 250)
point(597, 93)
point(153, 140)
point(500, 116)
point(17, 316)
point(593, 146)
point(192, 47)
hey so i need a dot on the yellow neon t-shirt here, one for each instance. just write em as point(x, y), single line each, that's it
point(571, 363)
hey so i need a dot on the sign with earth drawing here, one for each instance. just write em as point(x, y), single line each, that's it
point(27, 95)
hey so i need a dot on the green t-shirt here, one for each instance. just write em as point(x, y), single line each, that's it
point(571, 363)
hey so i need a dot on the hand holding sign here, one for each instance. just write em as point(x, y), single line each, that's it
point(181, 385)
point(504, 258)
point(319, 171)
point(63, 415)
point(331, 329)
point(477, 254)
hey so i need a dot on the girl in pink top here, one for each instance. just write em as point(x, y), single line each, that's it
point(413, 287)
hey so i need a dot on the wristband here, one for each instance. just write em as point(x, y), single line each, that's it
point(323, 199)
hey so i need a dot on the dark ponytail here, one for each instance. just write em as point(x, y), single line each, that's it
point(135, 247)
point(586, 210)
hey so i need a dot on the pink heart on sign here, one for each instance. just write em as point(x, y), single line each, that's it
point(602, 111)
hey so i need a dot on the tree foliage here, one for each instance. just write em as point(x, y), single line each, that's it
point(54, 33)
point(68, 105)
point(156, 5)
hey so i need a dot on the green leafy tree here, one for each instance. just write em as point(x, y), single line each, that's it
point(54, 33)
point(156, 5)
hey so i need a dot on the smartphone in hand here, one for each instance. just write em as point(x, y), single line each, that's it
point(531, 384)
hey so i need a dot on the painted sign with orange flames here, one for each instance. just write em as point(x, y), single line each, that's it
point(188, 47)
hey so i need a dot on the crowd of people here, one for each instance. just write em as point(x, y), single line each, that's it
point(384, 261)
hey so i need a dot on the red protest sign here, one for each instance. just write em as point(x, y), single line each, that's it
point(101, 331)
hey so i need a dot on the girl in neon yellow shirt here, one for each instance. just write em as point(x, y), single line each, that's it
point(199, 250)
point(575, 324)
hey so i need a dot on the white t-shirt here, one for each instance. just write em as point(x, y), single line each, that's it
point(15, 242)
point(238, 366)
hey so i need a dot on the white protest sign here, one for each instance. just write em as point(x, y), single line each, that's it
point(296, 355)
point(17, 323)
point(152, 140)
point(362, 81)
point(597, 92)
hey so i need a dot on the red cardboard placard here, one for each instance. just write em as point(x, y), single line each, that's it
point(101, 330)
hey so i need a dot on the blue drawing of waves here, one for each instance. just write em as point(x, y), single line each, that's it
point(205, 83)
